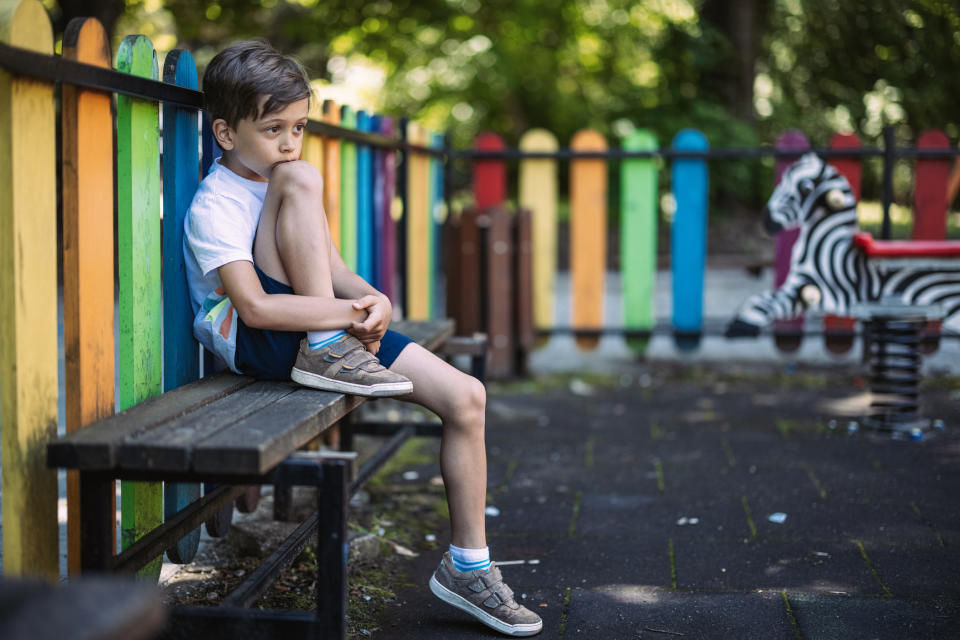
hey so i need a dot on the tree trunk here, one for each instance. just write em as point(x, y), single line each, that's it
point(739, 22)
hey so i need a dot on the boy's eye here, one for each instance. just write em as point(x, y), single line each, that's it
point(274, 129)
point(300, 127)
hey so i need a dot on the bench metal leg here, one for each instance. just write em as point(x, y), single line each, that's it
point(332, 550)
point(97, 529)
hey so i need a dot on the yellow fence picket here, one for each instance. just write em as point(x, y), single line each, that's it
point(538, 194)
point(28, 288)
point(417, 215)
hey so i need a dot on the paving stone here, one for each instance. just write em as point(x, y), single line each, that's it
point(636, 612)
point(745, 566)
point(639, 516)
point(584, 562)
point(531, 513)
point(830, 617)
point(911, 571)
point(833, 520)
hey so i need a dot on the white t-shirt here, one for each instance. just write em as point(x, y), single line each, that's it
point(219, 227)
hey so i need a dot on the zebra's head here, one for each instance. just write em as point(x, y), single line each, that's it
point(808, 189)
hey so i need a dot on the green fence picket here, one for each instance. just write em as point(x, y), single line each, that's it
point(139, 266)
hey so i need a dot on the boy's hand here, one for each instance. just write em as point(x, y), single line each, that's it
point(379, 310)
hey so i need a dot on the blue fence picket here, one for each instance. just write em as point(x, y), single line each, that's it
point(364, 201)
point(688, 240)
point(181, 362)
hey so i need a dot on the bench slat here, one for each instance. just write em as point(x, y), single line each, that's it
point(428, 334)
point(94, 448)
point(169, 448)
point(264, 439)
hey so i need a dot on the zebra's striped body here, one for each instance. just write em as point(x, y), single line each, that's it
point(827, 272)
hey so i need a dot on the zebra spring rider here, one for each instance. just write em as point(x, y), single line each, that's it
point(830, 275)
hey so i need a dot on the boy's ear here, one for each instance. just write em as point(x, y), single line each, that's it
point(222, 133)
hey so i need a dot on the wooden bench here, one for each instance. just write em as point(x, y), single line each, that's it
point(234, 431)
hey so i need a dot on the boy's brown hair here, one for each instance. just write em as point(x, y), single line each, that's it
point(239, 76)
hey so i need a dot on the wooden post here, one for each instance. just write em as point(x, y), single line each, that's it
point(181, 362)
point(348, 191)
point(28, 287)
point(538, 194)
point(499, 292)
point(638, 236)
point(588, 235)
point(138, 239)
point(87, 161)
point(787, 334)
point(523, 331)
point(688, 238)
point(470, 283)
point(331, 172)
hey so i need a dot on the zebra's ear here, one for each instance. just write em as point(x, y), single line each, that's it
point(838, 200)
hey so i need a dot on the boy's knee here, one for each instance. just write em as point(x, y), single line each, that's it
point(299, 176)
point(472, 399)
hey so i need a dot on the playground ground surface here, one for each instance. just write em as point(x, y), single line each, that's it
point(643, 504)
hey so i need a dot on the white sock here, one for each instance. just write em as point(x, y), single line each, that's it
point(470, 559)
point(320, 339)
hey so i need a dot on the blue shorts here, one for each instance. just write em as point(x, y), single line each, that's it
point(269, 355)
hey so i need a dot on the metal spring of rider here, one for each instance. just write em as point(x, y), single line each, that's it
point(895, 371)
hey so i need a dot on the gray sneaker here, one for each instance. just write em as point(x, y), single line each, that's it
point(347, 367)
point(483, 594)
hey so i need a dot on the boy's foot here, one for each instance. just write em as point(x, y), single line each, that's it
point(347, 367)
point(484, 595)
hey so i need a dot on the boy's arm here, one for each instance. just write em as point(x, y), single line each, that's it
point(377, 307)
point(284, 312)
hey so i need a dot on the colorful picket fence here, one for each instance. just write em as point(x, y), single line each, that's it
point(369, 203)
point(538, 193)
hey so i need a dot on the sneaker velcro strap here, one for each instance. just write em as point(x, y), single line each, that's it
point(492, 577)
point(493, 601)
point(505, 594)
point(477, 585)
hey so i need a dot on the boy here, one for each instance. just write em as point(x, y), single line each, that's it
point(263, 270)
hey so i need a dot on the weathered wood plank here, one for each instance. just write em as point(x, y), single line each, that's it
point(588, 234)
point(139, 271)
point(417, 216)
point(169, 448)
point(262, 440)
point(500, 278)
point(87, 161)
point(95, 448)
point(348, 191)
point(331, 172)
point(538, 193)
point(28, 288)
point(365, 202)
point(181, 359)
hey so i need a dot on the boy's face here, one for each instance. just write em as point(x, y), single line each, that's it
point(255, 147)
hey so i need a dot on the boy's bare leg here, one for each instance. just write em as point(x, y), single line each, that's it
point(460, 401)
point(293, 239)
